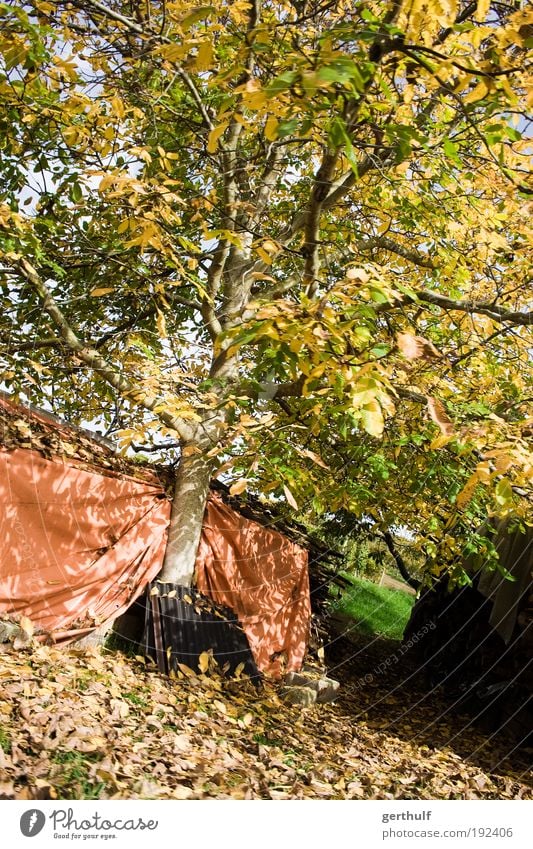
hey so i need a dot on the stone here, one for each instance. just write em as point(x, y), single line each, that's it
point(303, 696)
point(297, 679)
point(326, 689)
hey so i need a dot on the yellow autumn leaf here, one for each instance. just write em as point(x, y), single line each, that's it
point(440, 441)
point(161, 324)
point(504, 493)
point(106, 290)
point(482, 10)
point(214, 135)
point(71, 135)
point(271, 128)
point(372, 418)
point(239, 669)
point(478, 93)
point(171, 52)
point(264, 255)
point(465, 496)
point(203, 661)
point(204, 58)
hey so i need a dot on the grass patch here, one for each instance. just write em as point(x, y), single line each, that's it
point(5, 741)
point(135, 699)
point(376, 610)
point(74, 782)
point(116, 643)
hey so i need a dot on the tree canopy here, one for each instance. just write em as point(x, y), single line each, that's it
point(291, 238)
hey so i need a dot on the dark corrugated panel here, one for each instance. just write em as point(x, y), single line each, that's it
point(180, 627)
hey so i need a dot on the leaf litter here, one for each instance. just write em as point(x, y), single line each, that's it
point(88, 724)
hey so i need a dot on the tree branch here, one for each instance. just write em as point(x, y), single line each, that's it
point(92, 358)
point(51, 342)
point(410, 50)
point(150, 34)
point(321, 188)
point(268, 180)
point(493, 311)
point(479, 307)
point(337, 190)
point(422, 260)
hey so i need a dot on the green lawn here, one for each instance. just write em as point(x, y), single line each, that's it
point(376, 610)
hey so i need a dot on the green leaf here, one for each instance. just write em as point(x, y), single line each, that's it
point(342, 71)
point(198, 15)
point(287, 128)
point(282, 83)
point(380, 350)
point(76, 193)
point(450, 149)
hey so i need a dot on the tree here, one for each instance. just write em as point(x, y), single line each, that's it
point(290, 237)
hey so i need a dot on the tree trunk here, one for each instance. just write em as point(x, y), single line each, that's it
point(398, 559)
point(190, 497)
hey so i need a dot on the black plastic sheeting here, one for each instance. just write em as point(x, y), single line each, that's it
point(182, 625)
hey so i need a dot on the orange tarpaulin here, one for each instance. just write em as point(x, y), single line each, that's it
point(75, 546)
point(262, 576)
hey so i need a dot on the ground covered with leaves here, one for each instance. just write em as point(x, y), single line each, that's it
point(87, 724)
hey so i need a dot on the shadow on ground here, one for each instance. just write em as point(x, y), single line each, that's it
point(383, 686)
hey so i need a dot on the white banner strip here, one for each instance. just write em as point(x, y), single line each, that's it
point(273, 824)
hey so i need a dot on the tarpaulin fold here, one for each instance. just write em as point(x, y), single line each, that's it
point(261, 575)
point(76, 547)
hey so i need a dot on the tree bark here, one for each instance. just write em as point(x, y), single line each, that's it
point(190, 497)
point(400, 564)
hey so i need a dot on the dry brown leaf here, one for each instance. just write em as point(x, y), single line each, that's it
point(440, 417)
point(290, 497)
point(193, 746)
point(316, 458)
point(238, 487)
point(27, 626)
point(416, 347)
point(358, 274)
point(182, 792)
